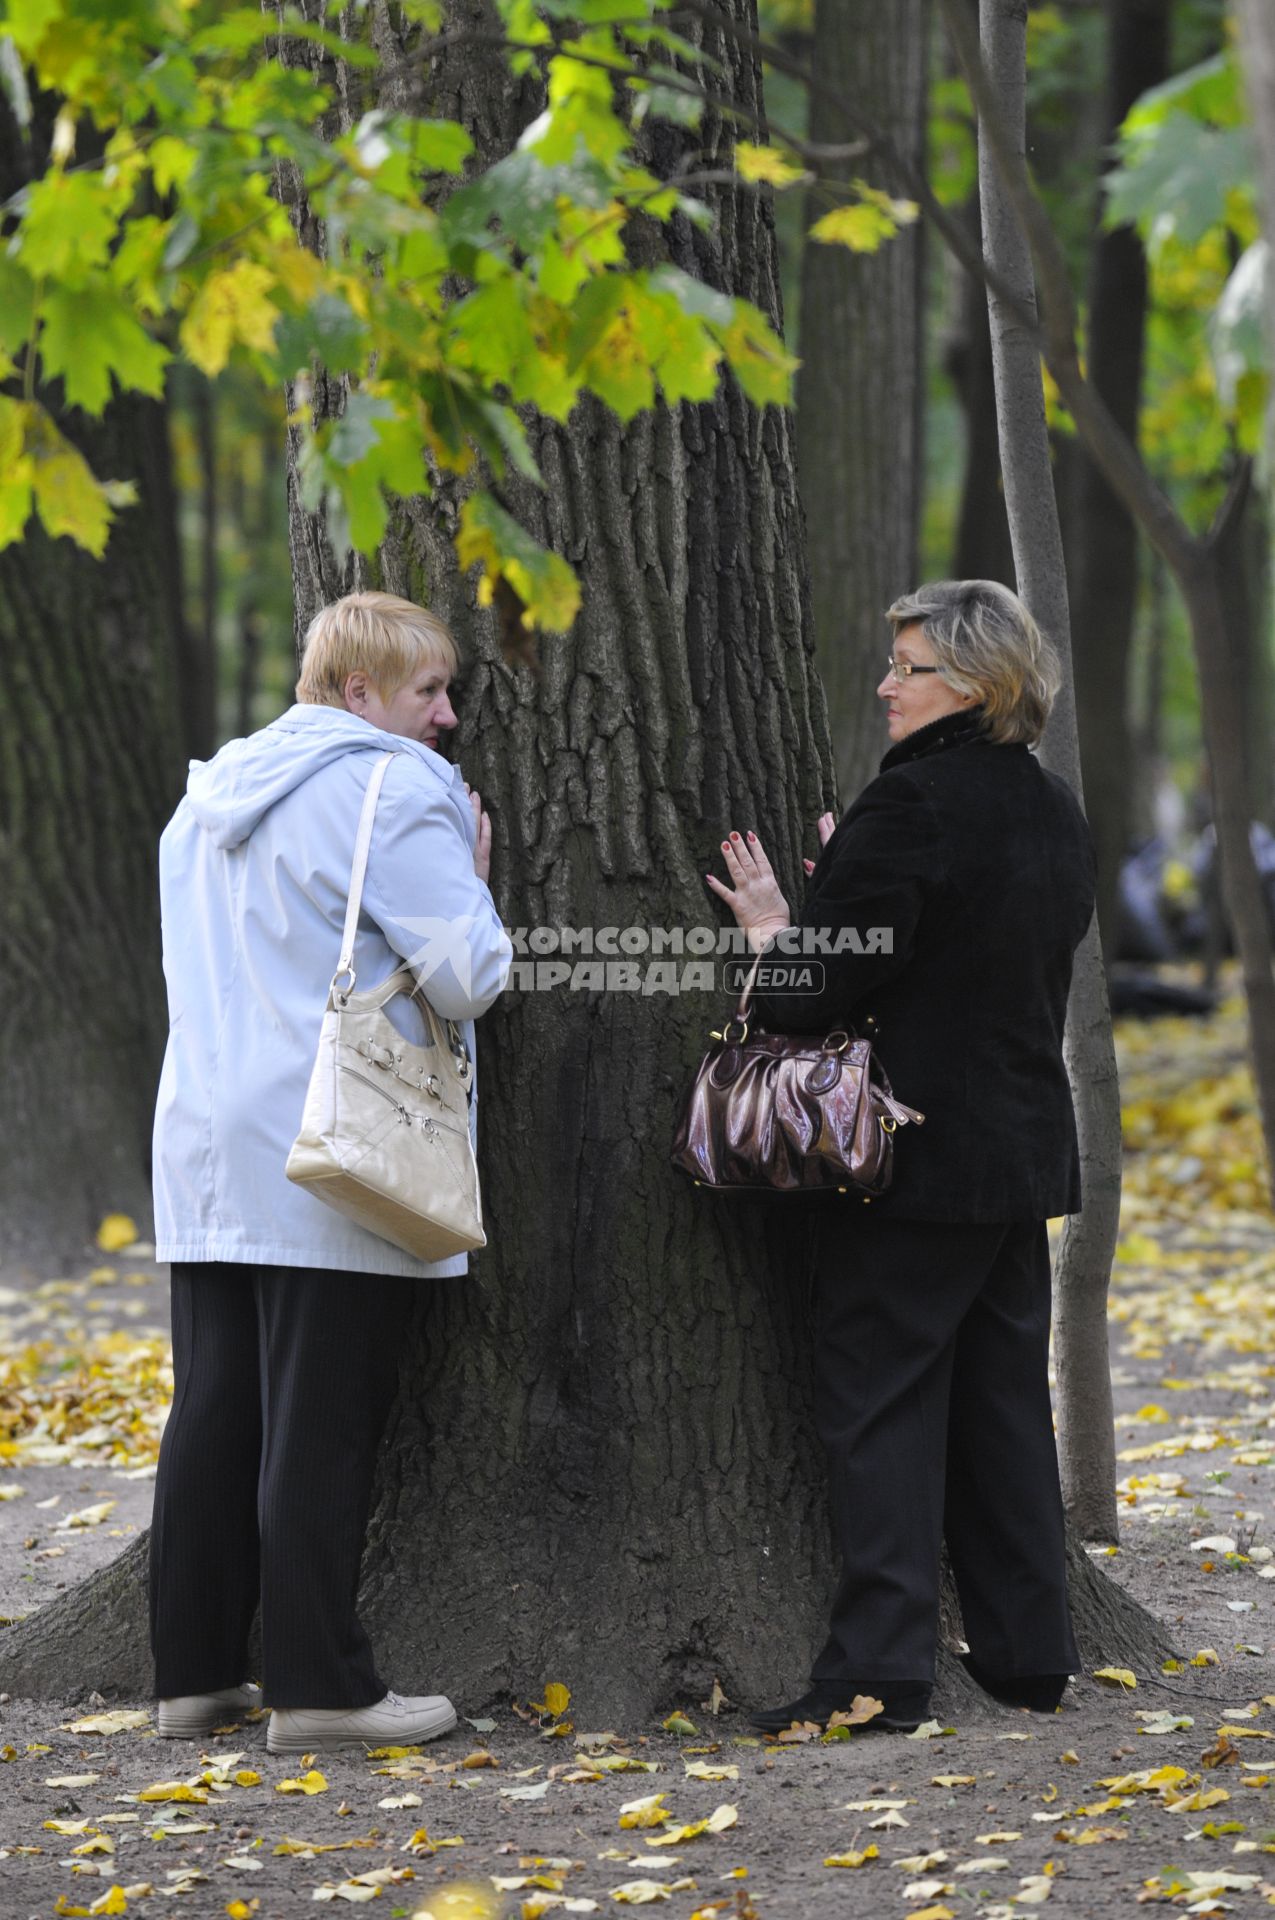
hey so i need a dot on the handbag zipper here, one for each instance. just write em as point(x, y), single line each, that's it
point(424, 1121)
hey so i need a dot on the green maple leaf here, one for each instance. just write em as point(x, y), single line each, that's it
point(67, 228)
point(88, 335)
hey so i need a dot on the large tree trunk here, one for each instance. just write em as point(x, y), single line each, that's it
point(89, 770)
point(1085, 1421)
point(861, 388)
point(1105, 535)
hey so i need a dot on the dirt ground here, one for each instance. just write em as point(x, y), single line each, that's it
point(1127, 1795)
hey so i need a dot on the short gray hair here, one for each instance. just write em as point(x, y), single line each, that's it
point(987, 645)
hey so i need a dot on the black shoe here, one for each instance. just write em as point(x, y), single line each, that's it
point(1042, 1692)
point(905, 1706)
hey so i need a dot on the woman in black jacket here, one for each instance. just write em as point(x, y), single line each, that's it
point(932, 1302)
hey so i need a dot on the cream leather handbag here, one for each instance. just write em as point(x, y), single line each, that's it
point(385, 1131)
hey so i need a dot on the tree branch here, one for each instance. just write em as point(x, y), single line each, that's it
point(1232, 504)
point(1110, 448)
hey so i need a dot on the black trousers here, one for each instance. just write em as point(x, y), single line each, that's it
point(932, 1400)
point(283, 1379)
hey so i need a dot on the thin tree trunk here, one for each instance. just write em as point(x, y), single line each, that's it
point(89, 768)
point(1242, 560)
point(1104, 602)
point(1257, 38)
point(1085, 1420)
point(983, 550)
point(861, 388)
point(201, 692)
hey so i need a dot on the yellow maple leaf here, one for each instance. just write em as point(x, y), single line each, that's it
point(311, 1782)
point(767, 164)
point(234, 307)
point(1116, 1677)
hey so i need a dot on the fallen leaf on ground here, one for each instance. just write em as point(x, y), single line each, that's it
point(717, 1822)
point(647, 1812)
point(863, 1707)
point(309, 1783)
point(87, 1516)
point(119, 1721)
point(420, 1842)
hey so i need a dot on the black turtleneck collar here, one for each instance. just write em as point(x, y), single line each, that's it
point(949, 730)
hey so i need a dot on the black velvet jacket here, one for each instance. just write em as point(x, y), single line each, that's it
point(981, 865)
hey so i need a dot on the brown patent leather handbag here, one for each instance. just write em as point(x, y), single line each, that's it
point(789, 1112)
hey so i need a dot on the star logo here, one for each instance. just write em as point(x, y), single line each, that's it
point(444, 946)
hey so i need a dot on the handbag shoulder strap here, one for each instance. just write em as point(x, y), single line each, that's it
point(358, 874)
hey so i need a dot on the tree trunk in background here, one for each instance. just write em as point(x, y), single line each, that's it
point(200, 693)
point(861, 388)
point(1083, 1268)
point(1105, 536)
point(1243, 576)
point(89, 772)
point(983, 549)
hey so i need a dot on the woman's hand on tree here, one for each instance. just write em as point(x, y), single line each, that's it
point(825, 827)
point(482, 835)
point(755, 901)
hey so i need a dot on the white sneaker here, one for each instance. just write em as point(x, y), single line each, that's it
point(192, 1715)
point(389, 1722)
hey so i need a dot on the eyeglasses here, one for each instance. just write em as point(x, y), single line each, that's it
point(903, 669)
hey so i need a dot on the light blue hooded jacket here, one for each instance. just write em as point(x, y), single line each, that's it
point(254, 877)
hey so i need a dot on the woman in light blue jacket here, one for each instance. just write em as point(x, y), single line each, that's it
point(288, 1319)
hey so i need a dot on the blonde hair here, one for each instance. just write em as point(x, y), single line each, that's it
point(373, 633)
point(986, 644)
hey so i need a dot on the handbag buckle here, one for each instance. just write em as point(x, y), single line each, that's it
point(839, 1034)
point(342, 993)
point(730, 1039)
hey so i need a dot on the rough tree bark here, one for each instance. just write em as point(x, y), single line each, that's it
point(861, 388)
point(89, 767)
point(1105, 534)
point(600, 1466)
point(1084, 1407)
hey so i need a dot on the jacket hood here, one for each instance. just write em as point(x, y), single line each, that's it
point(232, 793)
